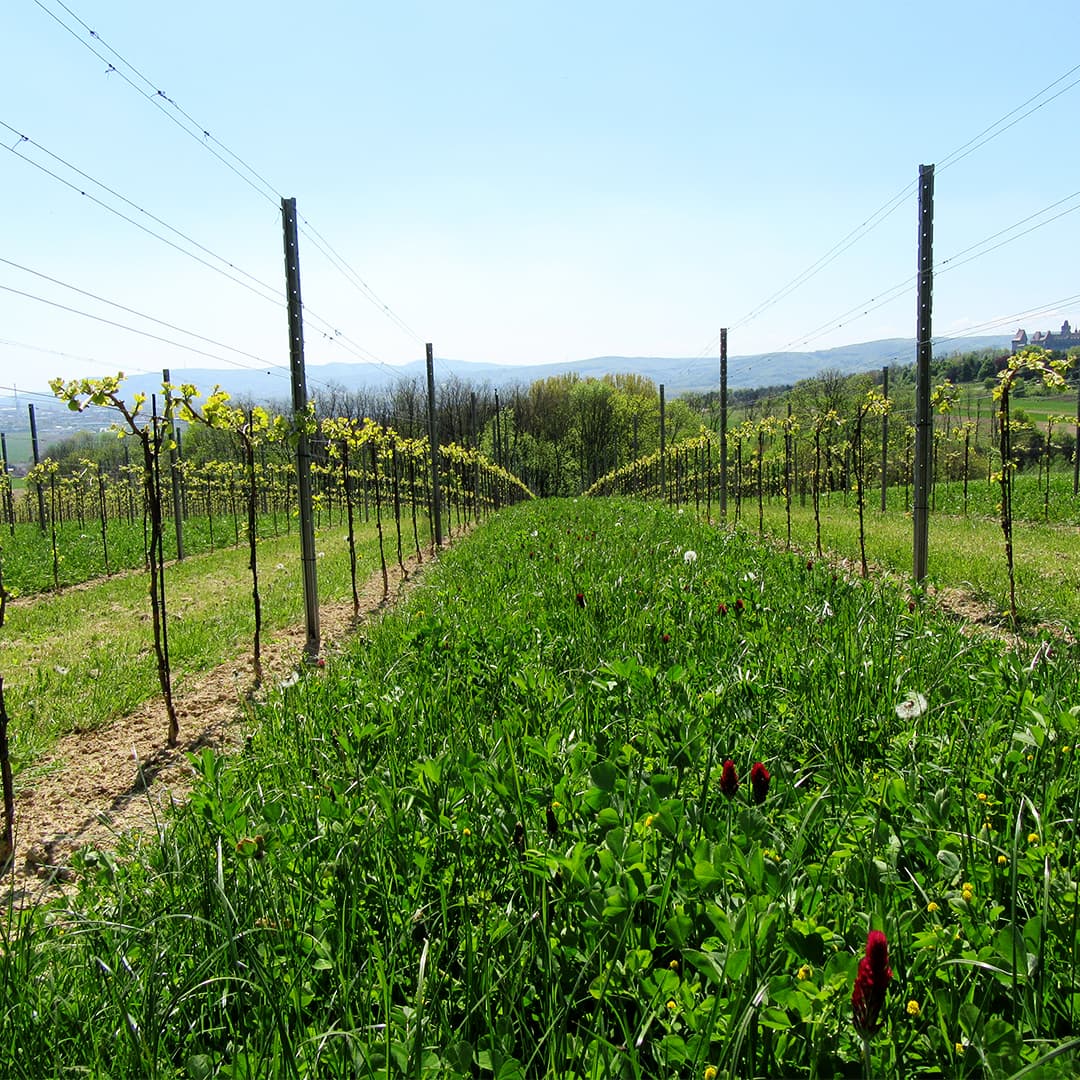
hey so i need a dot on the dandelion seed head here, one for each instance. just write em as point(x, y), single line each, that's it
point(915, 704)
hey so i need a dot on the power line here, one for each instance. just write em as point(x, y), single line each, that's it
point(277, 296)
point(351, 275)
point(158, 98)
point(330, 332)
point(830, 256)
point(130, 329)
point(981, 139)
point(974, 144)
point(249, 175)
point(139, 314)
point(908, 284)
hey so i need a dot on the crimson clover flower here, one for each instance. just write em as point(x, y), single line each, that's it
point(759, 782)
point(580, 598)
point(871, 982)
point(739, 606)
point(721, 609)
point(665, 638)
point(729, 779)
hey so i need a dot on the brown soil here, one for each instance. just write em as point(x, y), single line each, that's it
point(96, 785)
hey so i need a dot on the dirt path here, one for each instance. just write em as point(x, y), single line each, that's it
point(95, 785)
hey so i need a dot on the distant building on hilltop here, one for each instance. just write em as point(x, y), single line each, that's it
point(1068, 338)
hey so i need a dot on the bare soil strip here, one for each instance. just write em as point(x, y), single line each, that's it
point(96, 785)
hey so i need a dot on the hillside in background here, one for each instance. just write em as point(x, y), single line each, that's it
point(679, 375)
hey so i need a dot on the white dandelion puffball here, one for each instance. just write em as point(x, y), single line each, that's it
point(915, 704)
point(689, 557)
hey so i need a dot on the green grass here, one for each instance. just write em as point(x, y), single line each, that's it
point(79, 658)
point(81, 553)
point(494, 838)
point(965, 553)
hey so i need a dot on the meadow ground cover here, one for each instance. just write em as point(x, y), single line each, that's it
point(965, 553)
point(81, 553)
point(76, 659)
point(614, 793)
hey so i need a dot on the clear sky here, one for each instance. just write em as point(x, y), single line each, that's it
point(525, 182)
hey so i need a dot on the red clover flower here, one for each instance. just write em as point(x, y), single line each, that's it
point(759, 782)
point(871, 983)
point(729, 779)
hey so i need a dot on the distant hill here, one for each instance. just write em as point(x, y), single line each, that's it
point(678, 374)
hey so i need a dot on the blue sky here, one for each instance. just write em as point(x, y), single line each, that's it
point(524, 182)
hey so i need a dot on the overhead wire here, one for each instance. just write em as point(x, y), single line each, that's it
point(159, 99)
point(123, 326)
point(908, 284)
point(203, 136)
point(277, 295)
point(139, 314)
point(970, 146)
point(270, 294)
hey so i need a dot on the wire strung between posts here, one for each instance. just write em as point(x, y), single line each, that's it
point(976, 142)
point(253, 177)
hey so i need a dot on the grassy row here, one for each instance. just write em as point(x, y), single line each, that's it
point(79, 658)
point(965, 553)
point(28, 557)
point(80, 553)
point(500, 837)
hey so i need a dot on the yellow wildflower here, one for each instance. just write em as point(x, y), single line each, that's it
point(671, 1005)
point(674, 965)
point(710, 1072)
point(913, 1008)
point(804, 973)
point(932, 907)
point(650, 821)
point(1002, 860)
point(1033, 838)
point(981, 796)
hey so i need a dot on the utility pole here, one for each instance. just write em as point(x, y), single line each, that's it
point(37, 461)
point(433, 442)
point(924, 418)
point(475, 440)
point(1076, 444)
point(723, 424)
point(9, 501)
point(663, 448)
point(300, 408)
point(174, 468)
point(884, 436)
point(495, 449)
